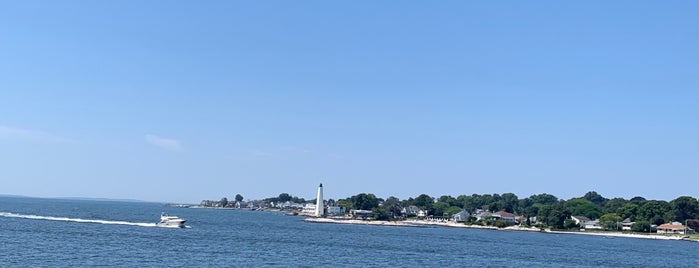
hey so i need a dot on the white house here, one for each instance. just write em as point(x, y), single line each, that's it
point(580, 220)
point(592, 225)
point(309, 209)
point(505, 216)
point(462, 216)
point(336, 210)
point(410, 211)
point(674, 228)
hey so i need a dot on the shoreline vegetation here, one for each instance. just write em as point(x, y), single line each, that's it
point(590, 214)
point(424, 223)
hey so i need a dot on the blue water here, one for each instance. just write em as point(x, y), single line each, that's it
point(48, 232)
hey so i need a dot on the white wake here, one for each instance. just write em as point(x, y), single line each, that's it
point(50, 218)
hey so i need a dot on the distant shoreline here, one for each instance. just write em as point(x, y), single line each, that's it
point(421, 223)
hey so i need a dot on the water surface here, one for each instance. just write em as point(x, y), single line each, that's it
point(66, 233)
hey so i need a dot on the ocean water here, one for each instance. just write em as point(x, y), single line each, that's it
point(72, 233)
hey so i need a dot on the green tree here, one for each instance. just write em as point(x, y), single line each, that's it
point(283, 197)
point(500, 223)
point(392, 206)
point(544, 199)
point(641, 226)
point(570, 224)
point(553, 215)
point(683, 208)
point(440, 208)
point(469, 203)
point(595, 198)
point(424, 201)
point(345, 203)
point(628, 210)
point(223, 202)
point(510, 202)
point(638, 200)
point(381, 213)
point(238, 198)
point(583, 207)
point(453, 210)
point(653, 211)
point(449, 200)
point(364, 201)
point(610, 221)
point(612, 205)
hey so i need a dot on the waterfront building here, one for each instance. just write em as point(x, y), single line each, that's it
point(674, 228)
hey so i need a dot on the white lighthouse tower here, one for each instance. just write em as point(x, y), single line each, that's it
point(320, 208)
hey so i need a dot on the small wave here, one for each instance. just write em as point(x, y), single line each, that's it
point(50, 218)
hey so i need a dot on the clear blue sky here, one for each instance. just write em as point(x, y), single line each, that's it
point(183, 101)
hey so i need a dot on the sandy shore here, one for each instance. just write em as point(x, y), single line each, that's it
point(384, 223)
point(613, 234)
point(416, 223)
point(419, 223)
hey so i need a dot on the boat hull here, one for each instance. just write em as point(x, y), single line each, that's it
point(174, 224)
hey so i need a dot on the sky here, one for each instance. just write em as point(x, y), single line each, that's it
point(180, 101)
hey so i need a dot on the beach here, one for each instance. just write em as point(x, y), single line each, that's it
point(423, 223)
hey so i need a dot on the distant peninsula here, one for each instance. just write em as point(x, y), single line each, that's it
point(590, 213)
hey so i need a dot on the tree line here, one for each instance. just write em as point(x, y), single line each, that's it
point(548, 209)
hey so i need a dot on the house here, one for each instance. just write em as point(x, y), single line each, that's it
point(360, 214)
point(421, 213)
point(592, 225)
point(580, 220)
point(505, 216)
point(410, 211)
point(308, 209)
point(336, 210)
point(483, 215)
point(626, 224)
point(674, 228)
point(462, 216)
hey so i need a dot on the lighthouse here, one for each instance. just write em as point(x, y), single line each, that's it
point(319, 202)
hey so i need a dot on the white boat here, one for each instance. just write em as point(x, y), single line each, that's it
point(170, 221)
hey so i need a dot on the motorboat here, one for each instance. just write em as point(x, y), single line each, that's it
point(170, 221)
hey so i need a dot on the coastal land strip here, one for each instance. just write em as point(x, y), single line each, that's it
point(422, 223)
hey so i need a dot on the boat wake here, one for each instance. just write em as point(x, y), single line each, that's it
point(50, 218)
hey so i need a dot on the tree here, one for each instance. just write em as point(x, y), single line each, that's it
point(381, 213)
point(452, 210)
point(641, 226)
point(510, 202)
point(500, 223)
point(223, 202)
point(392, 206)
point(628, 210)
point(610, 221)
point(595, 198)
point(283, 197)
point(653, 211)
point(683, 208)
point(544, 199)
point(612, 205)
point(553, 215)
point(570, 224)
point(345, 203)
point(638, 200)
point(449, 200)
point(440, 208)
point(364, 201)
point(424, 202)
point(583, 207)
point(238, 198)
